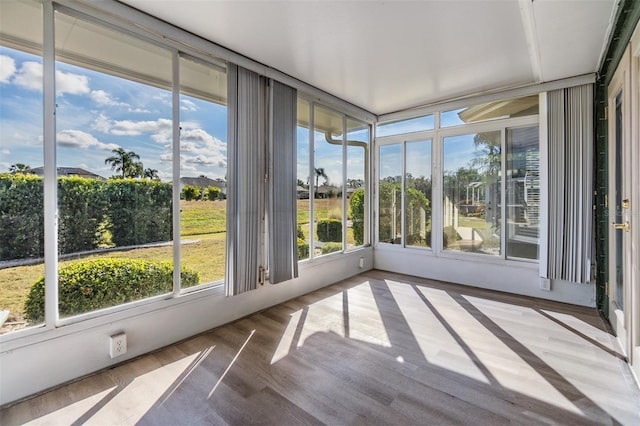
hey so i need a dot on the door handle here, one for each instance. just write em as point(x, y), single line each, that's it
point(624, 226)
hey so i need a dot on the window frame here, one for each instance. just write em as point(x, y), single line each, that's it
point(437, 136)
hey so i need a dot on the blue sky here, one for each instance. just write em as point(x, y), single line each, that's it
point(96, 113)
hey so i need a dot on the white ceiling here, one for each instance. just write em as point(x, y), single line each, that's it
point(386, 56)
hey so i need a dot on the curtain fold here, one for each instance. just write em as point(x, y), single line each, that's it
point(283, 249)
point(570, 139)
point(246, 171)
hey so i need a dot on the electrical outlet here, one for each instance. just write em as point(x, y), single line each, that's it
point(545, 284)
point(361, 264)
point(117, 345)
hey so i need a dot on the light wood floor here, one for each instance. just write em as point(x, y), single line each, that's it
point(379, 348)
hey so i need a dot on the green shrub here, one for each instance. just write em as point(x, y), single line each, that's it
point(303, 249)
point(300, 233)
point(139, 211)
point(96, 284)
point(356, 203)
point(213, 193)
point(21, 216)
point(190, 193)
point(329, 230)
point(331, 247)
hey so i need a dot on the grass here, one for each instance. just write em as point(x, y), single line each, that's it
point(202, 226)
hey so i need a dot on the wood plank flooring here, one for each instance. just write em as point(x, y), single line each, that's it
point(379, 348)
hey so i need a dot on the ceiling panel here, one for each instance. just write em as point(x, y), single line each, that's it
point(386, 56)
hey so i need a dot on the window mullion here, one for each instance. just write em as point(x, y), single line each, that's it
point(344, 182)
point(503, 193)
point(175, 112)
point(50, 172)
point(312, 192)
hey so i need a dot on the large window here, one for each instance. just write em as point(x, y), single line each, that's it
point(332, 172)
point(122, 178)
point(203, 169)
point(471, 158)
point(523, 192)
point(471, 197)
point(356, 195)
point(21, 160)
point(390, 194)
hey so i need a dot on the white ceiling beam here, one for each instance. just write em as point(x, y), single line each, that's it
point(531, 33)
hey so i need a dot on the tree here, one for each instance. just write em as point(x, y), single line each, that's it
point(319, 172)
point(19, 168)
point(123, 162)
point(151, 174)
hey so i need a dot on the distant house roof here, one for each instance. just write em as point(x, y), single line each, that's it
point(202, 182)
point(69, 171)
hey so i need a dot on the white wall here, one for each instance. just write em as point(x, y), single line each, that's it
point(494, 274)
point(36, 362)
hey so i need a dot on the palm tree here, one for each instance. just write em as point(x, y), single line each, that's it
point(19, 168)
point(319, 172)
point(151, 174)
point(122, 162)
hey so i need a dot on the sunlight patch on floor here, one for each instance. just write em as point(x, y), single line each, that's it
point(71, 413)
point(497, 361)
point(137, 398)
point(438, 346)
point(576, 366)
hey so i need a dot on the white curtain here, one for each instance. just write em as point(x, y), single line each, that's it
point(246, 170)
point(283, 251)
point(570, 131)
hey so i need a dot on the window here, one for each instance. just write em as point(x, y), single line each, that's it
point(114, 131)
point(357, 155)
point(118, 185)
point(523, 192)
point(303, 187)
point(417, 194)
point(411, 125)
point(507, 108)
point(21, 160)
point(471, 196)
point(203, 169)
point(390, 194)
point(327, 180)
point(332, 181)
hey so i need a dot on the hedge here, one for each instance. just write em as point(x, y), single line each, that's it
point(96, 284)
point(329, 230)
point(303, 249)
point(82, 207)
point(356, 204)
point(331, 247)
point(134, 211)
point(21, 216)
point(139, 211)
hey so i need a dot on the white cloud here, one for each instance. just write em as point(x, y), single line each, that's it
point(7, 68)
point(160, 129)
point(199, 147)
point(103, 98)
point(82, 140)
point(187, 105)
point(135, 128)
point(30, 74)
point(74, 84)
point(139, 110)
point(5, 152)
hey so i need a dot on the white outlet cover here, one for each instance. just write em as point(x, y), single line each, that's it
point(117, 345)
